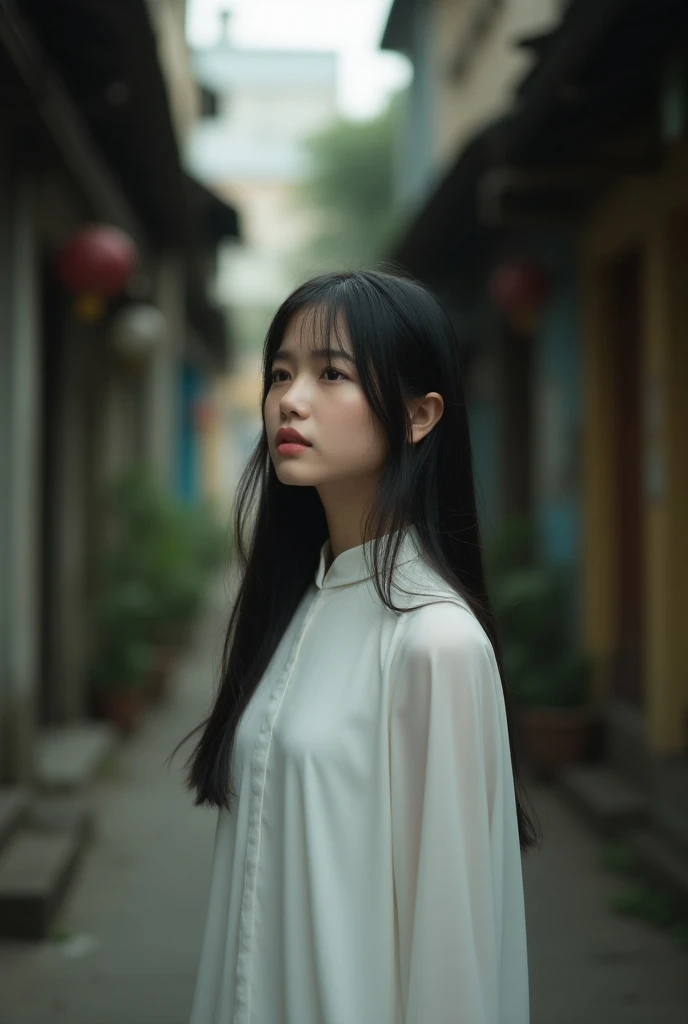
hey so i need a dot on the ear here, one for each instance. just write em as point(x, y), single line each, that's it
point(425, 413)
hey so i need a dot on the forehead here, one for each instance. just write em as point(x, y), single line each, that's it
point(316, 328)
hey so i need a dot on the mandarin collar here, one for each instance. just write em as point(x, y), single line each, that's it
point(350, 566)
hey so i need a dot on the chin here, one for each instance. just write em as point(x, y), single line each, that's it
point(293, 476)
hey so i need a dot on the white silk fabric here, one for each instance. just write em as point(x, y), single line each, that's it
point(370, 872)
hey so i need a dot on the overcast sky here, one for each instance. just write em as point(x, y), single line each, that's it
point(351, 27)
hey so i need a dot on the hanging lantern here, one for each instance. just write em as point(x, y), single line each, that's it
point(520, 290)
point(95, 264)
point(136, 330)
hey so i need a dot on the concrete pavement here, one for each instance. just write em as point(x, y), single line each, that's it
point(587, 965)
point(132, 926)
point(133, 922)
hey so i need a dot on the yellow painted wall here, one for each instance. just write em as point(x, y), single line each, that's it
point(649, 213)
point(236, 402)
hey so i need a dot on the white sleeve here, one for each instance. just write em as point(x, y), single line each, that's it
point(456, 858)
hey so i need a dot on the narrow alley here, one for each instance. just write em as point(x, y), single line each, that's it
point(127, 941)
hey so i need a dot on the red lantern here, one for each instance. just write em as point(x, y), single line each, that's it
point(95, 264)
point(520, 290)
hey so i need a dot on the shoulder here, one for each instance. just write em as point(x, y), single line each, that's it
point(446, 629)
point(442, 659)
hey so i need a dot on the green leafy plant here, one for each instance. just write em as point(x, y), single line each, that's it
point(154, 567)
point(122, 654)
point(647, 902)
point(640, 898)
point(349, 191)
point(531, 607)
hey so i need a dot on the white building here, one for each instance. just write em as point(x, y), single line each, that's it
point(258, 108)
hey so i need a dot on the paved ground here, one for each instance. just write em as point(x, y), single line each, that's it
point(134, 920)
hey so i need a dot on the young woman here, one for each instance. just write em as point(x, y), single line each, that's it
point(367, 865)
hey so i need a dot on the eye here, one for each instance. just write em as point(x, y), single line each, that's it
point(328, 369)
point(331, 369)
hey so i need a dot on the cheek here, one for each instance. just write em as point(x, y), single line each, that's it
point(271, 413)
point(352, 427)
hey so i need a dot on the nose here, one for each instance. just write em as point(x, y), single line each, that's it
point(294, 401)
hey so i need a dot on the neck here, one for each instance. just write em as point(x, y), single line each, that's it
point(345, 509)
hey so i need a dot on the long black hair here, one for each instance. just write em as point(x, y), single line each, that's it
point(404, 346)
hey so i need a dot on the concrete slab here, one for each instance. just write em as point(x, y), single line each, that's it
point(68, 757)
point(664, 861)
point(610, 802)
point(14, 801)
point(35, 872)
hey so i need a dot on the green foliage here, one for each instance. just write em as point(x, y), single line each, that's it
point(618, 858)
point(511, 548)
point(647, 902)
point(531, 607)
point(350, 189)
point(640, 898)
point(153, 571)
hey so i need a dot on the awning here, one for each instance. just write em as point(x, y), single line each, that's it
point(596, 72)
point(448, 219)
point(212, 218)
point(211, 221)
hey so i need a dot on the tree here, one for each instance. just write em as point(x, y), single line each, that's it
point(350, 189)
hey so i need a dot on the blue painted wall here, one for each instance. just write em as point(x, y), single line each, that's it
point(189, 476)
point(557, 389)
point(559, 396)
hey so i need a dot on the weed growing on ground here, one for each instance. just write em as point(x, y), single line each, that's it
point(641, 898)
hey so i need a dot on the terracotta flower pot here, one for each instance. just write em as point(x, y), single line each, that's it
point(552, 737)
point(123, 707)
point(158, 676)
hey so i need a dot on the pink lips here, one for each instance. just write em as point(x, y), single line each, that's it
point(289, 448)
point(287, 435)
point(290, 441)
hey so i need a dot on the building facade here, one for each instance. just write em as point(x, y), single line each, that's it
point(89, 138)
point(584, 174)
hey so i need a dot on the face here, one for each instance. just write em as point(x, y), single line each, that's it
point(324, 401)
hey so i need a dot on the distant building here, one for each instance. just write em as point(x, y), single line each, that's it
point(258, 106)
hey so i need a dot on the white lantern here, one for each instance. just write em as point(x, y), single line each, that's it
point(137, 329)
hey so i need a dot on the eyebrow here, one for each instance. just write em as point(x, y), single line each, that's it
point(288, 357)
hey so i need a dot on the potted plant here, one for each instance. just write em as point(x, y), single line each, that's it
point(163, 551)
point(141, 546)
point(177, 581)
point(547, 675)
point(122, 656)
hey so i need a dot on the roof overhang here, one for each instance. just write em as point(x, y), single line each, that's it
point(585, 90)
point(38, 107)
point(211, 221)
point(101, 59)
point(214, 220)
point(397, 34)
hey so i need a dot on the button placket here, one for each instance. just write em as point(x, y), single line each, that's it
point(259, 766)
